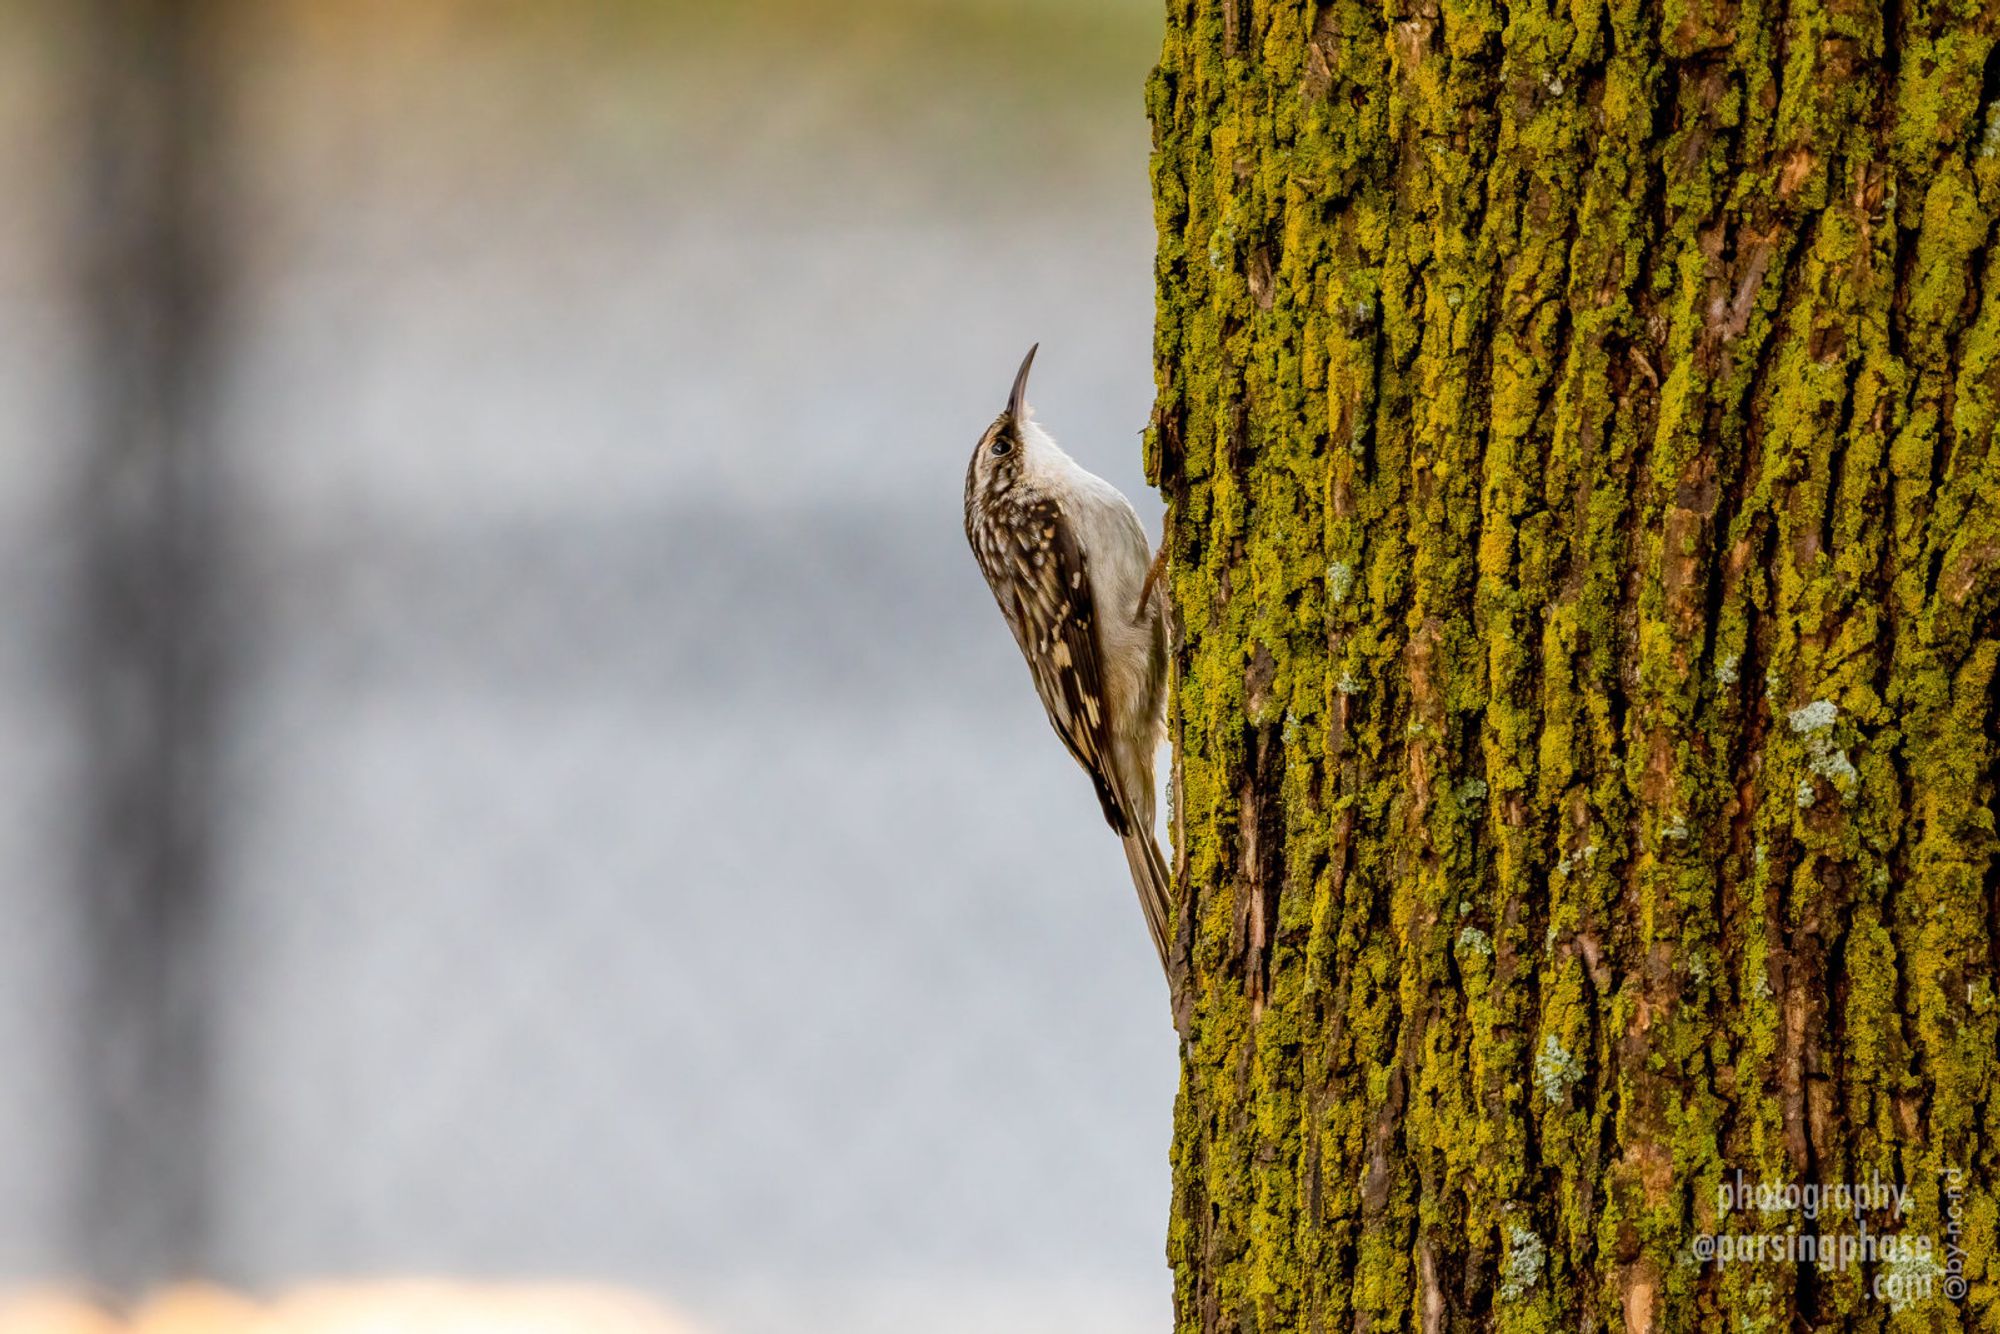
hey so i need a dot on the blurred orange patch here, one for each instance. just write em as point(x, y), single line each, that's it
point(404, 1307)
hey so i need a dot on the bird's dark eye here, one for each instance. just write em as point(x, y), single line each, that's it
point(1002, 446)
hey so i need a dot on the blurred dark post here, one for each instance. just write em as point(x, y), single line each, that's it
point(146, 675)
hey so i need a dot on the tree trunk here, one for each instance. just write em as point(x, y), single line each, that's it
point(1578, 428)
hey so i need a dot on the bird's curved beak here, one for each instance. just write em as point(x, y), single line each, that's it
point(1017, 399)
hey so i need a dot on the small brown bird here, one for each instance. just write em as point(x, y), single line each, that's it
point(1070, 567)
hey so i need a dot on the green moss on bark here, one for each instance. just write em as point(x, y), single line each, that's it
point(1577, 425)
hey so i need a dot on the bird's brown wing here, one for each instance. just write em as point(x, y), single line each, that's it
point(1053, 616)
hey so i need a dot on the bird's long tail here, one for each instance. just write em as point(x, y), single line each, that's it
point(1155, 885)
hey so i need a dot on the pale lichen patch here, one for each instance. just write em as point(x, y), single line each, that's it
point(1556, 1071)
point(1522, 1270)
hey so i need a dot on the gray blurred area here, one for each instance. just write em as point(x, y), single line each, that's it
point(568, 806)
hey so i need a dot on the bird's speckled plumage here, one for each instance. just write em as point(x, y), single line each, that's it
point(1067, 561)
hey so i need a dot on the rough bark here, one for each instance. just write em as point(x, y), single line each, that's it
point(1577, 423)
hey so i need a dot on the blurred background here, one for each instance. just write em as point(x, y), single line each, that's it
point(507, 768)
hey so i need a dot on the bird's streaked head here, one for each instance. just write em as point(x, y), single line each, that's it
point(997, 461)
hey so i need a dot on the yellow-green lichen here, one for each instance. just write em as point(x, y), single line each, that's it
point(1581, 418)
